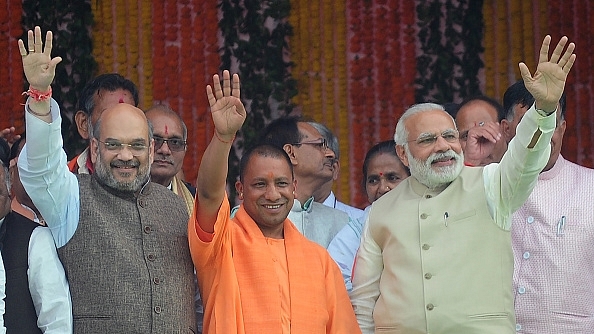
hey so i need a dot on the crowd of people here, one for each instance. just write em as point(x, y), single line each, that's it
point(476, 222)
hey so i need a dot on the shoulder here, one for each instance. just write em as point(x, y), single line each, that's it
point(319, 210)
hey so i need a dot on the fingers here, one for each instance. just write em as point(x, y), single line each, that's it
point(38, 41)
point(558, 50)
point(236, 87)
point(30, 41)
point(54, 62)
point(569, 64)
point(48, 44)
point(525, 72)
point(543, 57)
point(226, 83)
point(22, 49)
point(217, 86)
point(211, 99)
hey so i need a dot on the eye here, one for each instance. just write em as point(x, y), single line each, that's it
point(372, 180)
point(112, 145)
point(259, 185)
point(392, 177)
point(137, 146)
point(449, 136)
point(176, 142)
point(426, 140)
point(282, 184)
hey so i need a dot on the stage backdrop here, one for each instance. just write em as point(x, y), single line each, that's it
point(353, 65)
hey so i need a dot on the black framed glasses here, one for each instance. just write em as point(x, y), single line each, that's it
point(174, 144)
point(116, 147)
point(321, 143)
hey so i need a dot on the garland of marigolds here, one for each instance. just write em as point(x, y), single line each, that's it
point(259, 51)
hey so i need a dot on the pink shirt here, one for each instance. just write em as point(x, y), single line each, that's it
point(553, 244)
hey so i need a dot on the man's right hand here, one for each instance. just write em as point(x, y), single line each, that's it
point(228, 113)
point(38, 65)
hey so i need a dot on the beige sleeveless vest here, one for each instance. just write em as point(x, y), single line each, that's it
point(447, 265)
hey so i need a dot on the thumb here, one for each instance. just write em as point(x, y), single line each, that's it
point(525, 72)
point(54, 62)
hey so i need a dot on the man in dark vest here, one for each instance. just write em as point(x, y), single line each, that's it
point(122, 239)
point(37, 298)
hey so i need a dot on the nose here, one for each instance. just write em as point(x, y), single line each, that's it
point(125, 153)
point(383, 187)
point(328, 153)
point(272, 194)
point(442, 145)
point(164, 149)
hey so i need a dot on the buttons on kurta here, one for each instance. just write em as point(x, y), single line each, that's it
point(428, 196)
point(530, 219)
point(423, 216)
point(526, 255)
point(428, 276)
point(518, 327)
point(142, 203)
point(147, 229)
point(521, 290)
point(426, 247)
point(430, 307)
point(158, 309)
point(156, 280)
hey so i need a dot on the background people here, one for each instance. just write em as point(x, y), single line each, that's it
point(382, 171)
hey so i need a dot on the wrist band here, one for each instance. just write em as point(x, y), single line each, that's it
point(38, 114)
point(39, 95)
point(223, 141)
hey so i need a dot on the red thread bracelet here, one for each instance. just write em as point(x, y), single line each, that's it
point(221, 140)
point(38, 95)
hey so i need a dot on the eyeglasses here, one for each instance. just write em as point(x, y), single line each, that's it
point(428, 139)
point(174, 144)
point(321, 143)
point(115, 146)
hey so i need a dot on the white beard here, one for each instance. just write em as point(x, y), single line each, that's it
point(431, 178)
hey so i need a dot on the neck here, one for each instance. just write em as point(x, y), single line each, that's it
point(307, 187)
point(322, 193)
point(165, 182)
point(275, 232)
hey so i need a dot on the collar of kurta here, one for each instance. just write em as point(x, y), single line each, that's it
point(258, 281)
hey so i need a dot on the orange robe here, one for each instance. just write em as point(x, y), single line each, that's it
point(240, 287)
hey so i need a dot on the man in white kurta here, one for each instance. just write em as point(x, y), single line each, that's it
point(435, 255)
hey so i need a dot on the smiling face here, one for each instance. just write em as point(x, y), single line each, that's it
point(384, 172)
point(124, 169)
point(267, 190)
point(167, 162)
point(432, 163)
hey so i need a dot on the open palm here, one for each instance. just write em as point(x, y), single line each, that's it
point(228, 112)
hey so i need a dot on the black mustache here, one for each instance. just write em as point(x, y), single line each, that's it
point(121, 163)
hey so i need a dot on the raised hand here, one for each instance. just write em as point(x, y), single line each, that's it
point(548, 81)
point(9, 134)
point(228, 113)
point(481, 142)
point(38, 64)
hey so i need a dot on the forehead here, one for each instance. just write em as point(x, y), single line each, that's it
point(473, 113)
point(165, 125)
point(266, 167)
point(432, 121)
point(308, 131)
point(105, 99)
point(124, 122)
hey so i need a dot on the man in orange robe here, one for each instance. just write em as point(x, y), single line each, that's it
point(256, 272)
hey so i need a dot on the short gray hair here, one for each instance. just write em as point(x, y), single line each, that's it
point(401, 133)
point(329, 136)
